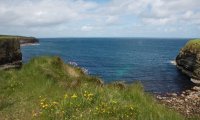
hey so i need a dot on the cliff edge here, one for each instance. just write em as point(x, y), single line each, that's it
point(23, 40)
point(188, 60)
point(10, 52)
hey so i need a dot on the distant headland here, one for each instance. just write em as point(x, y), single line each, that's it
point(10, 52)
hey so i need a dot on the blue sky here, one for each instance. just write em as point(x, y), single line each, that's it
point(101, 18)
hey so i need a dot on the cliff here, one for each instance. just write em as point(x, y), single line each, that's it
point(10, 53)
point(188, 60)
point(23, 40)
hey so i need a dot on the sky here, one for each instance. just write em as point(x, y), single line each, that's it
point(101, 18)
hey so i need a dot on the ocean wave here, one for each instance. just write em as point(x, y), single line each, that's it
point(29, 44)
point(73, 64)
point(173, 62)
point(82, 68)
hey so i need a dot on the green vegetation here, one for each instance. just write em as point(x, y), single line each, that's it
point(48, 89)
point(192, 45)
point(8, 37)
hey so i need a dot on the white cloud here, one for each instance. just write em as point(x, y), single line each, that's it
point(44, 12)
point(111, 20)
point(85, 15)
point(87, 28)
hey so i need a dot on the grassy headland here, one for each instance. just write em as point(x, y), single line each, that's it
point(47, 88)
point(11, 37)
point(22, 39)
point(192, 45)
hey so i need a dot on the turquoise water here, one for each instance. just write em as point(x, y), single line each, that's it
point(128, 59)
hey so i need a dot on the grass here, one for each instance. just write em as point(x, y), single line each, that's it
point(192, 45)
point(8, 37)
point(48, 89)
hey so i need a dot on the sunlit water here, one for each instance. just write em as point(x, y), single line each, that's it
point(150, 61)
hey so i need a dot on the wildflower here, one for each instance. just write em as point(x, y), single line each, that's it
point(131, 108)
point(55, 103)
point(85, 95)
point(90, 94)
point(74, 96)
point(45, 106)
point(65, 96)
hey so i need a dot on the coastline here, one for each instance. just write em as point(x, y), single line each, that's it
point(29, 44)
point(187, 102)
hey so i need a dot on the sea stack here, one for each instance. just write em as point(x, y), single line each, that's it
point(188, 60)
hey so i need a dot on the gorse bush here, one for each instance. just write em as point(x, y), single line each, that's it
point(48, 89)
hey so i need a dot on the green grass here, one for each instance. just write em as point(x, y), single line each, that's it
point(48, 89)
point(192, 45)
point(8, 37)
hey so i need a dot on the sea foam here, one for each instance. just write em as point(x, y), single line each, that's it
point(173, 62)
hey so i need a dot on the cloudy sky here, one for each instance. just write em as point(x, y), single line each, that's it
point(100, 18)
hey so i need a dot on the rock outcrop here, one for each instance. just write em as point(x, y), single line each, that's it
point(188, 60)
point(10, 53)
point(27, 40)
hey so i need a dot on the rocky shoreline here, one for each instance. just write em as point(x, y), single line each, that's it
point(186, 102)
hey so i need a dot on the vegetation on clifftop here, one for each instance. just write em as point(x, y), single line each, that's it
point(12, 36)
point(22, 39)
point(192, 45)
point(48, 89)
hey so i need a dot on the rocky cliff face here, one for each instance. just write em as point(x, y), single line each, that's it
point(188, 60)
point(10, 53)
point(27, 40)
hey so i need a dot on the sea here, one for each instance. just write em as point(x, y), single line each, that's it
point(150, 61)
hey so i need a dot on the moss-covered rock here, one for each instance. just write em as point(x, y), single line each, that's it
point(188, 60)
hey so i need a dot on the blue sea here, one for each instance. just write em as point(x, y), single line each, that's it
point(148, 60)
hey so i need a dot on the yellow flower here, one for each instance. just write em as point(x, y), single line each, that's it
point(90, 94)
point(74, 96)
point(55, 103)
point(131, 108)
point(65, 96)
point(43, 106)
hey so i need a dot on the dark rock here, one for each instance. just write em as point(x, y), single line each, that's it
point(188, 60)
point(10, 53)
point(27, 40)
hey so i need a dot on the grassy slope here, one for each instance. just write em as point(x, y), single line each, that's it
point(46, 88)
point(7, 37)
point(192, 45)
